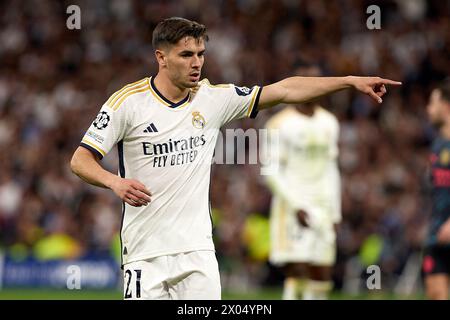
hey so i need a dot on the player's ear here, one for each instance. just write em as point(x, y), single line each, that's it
point(160, 57)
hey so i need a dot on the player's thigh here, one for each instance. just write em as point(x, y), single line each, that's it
point(436, 269)
point(146, 280)
point(323, 249)
point(198, 277)
point(437, 286)
point(296, 269)
point(320, 273)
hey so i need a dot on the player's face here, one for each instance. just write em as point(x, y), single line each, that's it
point(437, 108)
point(185, 61)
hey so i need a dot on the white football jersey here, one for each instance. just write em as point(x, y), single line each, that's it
point(169, 148)
point(308, 151)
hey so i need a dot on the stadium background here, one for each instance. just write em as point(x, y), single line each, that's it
point(54, 80)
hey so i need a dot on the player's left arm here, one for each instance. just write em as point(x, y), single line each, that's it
point(303, 89)
point(337, 195)
point(335, 173)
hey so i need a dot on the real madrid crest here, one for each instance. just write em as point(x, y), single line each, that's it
point(197, 120)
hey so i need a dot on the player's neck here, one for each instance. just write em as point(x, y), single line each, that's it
point(168, 89)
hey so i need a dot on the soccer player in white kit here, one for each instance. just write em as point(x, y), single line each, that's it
point(306, 202)
point(166, 128)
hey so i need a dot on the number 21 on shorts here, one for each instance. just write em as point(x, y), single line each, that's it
point(128, 279)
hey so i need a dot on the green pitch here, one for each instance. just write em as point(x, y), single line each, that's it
point(263, 294)
point(49, 294)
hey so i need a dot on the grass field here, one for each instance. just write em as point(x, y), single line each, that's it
point(265, 294)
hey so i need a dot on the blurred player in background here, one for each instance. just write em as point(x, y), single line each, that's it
point(166, 127)
point(436, 261)
point(306, 203)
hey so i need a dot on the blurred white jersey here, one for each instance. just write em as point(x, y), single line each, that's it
point(169, 148)
point(308, 179)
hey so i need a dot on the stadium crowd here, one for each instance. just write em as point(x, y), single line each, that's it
point(53, 81)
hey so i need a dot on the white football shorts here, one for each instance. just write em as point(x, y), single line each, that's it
point(293, 243)
point(184, 276)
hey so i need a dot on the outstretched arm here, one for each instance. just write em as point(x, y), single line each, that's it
point(303, 89)
point(85, 165)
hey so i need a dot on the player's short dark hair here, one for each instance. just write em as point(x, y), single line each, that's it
point(171, 30)
point(444, 88)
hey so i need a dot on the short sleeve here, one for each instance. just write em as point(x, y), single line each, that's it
point(241, 102)
point(106, 130)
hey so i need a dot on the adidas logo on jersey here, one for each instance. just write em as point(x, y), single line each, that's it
point(151, 128)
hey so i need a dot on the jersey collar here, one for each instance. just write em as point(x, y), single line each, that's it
point(163, 99)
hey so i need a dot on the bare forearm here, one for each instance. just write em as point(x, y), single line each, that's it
point(85, 165)
point(89, 170)
point(303, 89)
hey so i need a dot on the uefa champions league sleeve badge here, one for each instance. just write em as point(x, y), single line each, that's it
point(102, 120)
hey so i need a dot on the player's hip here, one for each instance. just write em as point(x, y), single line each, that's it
point(133, 254)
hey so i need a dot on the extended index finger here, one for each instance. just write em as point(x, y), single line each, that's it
point(392, 82)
